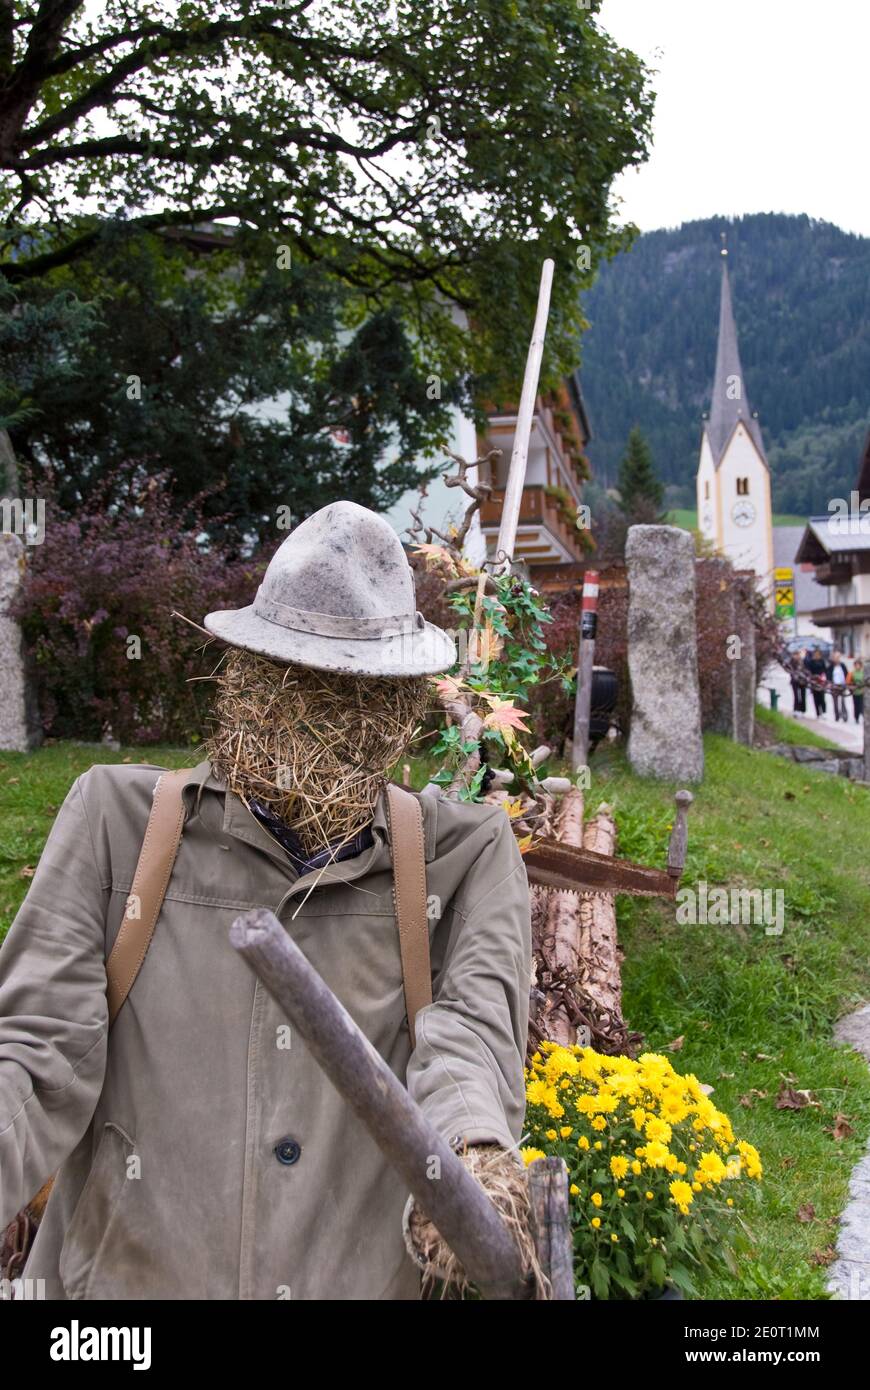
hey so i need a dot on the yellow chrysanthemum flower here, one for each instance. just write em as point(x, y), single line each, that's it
point(673, 1108)
point(529, 1155)
point(596, 1199)
point(582, 1142)
point(710, 1168)
point(654, 1154)
point(537, 1093)
point(599, 1122)
point(619, 1166)
point(574, 1190)
point(681, 1194)
point(561, 1062)
point(658, 1129)
point(596, 1222)
point(566, 1131)
point(751, 1159)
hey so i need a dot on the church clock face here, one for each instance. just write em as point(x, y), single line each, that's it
point(743, 513)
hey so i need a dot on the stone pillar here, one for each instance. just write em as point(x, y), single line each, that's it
point(665, 737)
point(16, 716)
point(19, 725)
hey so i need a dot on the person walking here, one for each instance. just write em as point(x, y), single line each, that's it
point(856, 688)
point(798, 679)
point(838, 675)
point(817, 669)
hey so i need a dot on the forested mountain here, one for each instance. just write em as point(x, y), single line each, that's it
point(802, 302)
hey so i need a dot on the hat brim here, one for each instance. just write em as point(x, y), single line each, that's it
point(425, 651)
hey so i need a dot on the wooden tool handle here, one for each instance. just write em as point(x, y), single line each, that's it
point(453, 1200)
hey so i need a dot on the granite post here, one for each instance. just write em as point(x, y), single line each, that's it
point(665, 737)
point(19, 728)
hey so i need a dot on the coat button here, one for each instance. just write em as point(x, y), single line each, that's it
point(288, 1151)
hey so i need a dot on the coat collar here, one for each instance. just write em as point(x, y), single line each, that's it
point(239, 822)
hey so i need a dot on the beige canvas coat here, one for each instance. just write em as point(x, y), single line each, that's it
point(201, 1156)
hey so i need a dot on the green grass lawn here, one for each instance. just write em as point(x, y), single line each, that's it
point(752, 1010)
point(688, 518)
point(784, 729)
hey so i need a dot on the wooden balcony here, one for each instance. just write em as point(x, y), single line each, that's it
point(834, 572)
point(841, 615)
point(544, 536)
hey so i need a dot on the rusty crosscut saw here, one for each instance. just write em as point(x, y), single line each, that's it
point(550, 864)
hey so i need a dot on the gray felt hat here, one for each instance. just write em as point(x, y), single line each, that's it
point(339, 596)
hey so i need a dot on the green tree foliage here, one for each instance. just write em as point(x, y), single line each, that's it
point(801, 293)
point(640, 490)
point(229, 376)
point(425, 153)
point(35, 338)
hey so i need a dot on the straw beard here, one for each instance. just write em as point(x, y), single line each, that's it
point(313, 746)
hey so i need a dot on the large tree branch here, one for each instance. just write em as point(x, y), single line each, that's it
point(310, 137)
point(17, 271)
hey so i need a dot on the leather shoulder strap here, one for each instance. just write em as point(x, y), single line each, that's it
point(150, 881)
point(409, 890)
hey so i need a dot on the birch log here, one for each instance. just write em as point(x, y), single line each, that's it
point(560, 942)
point(598, 947)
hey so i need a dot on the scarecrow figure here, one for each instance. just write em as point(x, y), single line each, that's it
point(201, 1151)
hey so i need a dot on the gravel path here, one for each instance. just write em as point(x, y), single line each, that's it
point(849, 1276)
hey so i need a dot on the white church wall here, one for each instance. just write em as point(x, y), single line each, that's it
point(745, 518)
point(706, 490)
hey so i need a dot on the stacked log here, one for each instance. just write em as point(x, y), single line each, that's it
point(577, 988)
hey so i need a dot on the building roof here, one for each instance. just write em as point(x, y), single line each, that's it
point(808, 592)
point(730, 401)
point(576, 394)
point(829, 535)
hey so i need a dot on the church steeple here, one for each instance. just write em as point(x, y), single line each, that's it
point(730, 402)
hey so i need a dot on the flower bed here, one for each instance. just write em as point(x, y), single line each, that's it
point(654, 1168)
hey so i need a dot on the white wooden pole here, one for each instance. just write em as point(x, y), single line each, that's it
point(510, 515)
point(585, 663)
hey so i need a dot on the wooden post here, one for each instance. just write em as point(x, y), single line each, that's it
point(679, 841)
point(453, 1200)
point(866, 737)
point(551, 1225)
point(585, 662)
point(510, 514)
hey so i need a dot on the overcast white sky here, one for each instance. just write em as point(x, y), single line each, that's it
point(762, 106)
